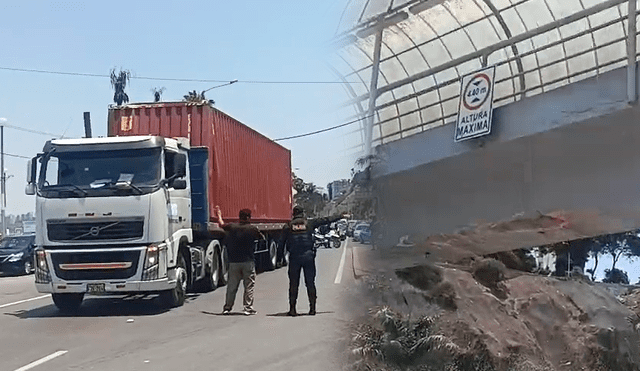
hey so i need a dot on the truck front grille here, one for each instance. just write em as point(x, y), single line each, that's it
point(129, 256)
point(123, 229)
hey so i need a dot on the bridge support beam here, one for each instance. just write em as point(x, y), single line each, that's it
point(631, 53)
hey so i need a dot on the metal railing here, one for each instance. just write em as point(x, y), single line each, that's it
point(524, 82)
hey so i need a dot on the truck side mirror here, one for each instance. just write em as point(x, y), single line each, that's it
point(30, 189)
point(180, 166)
point(31, 170)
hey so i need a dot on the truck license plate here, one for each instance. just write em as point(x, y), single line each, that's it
point(94, 288)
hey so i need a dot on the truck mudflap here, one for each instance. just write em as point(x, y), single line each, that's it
point(101, 287)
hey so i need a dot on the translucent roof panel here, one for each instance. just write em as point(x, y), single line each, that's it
point(428, 45)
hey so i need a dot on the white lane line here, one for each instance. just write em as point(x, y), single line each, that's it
point(42, 360)
point(24, 301)
point(341, 266)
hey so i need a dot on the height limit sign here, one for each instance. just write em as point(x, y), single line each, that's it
point(476, 105)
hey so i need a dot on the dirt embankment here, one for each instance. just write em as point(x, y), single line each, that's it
point(440, 306)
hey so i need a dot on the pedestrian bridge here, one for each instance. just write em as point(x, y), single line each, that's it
point(565, 134)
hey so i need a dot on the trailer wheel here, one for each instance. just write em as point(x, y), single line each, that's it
point(224, 266)
point(211, 279)
point(67, 303)
point(271, 259)
point(283, 255)
point(177, 295)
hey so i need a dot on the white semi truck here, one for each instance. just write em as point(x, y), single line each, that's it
point(130, 215)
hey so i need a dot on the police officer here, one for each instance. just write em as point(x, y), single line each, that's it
point(298, 235)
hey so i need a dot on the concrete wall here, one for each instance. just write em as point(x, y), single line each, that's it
point(575, 149)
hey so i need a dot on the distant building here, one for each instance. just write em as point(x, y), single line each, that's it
point(338, 188)
point(28, 226)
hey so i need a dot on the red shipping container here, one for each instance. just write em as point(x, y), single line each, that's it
point(246, 169)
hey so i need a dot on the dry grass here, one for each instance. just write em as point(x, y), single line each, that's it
point(390, 341)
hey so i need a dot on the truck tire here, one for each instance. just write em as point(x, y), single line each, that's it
point(283, 255)
point(177, 295)
point(211, 279)
point(224, 266)
point(67, 303)
point(271, 258)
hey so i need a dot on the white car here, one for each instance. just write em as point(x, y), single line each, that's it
point(359, 228)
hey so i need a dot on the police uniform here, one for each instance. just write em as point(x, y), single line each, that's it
point(298, 235)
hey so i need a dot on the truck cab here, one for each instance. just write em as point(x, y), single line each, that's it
point(114, 216)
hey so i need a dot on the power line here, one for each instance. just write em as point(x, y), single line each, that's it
point(172, 79)
point(323, 130)
point(31, 130)
point(18, 156)
point(52, 72)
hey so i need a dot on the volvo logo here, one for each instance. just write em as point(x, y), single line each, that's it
point(94, 231)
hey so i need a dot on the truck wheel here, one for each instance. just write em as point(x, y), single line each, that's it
point(211, 279)
point(176, 296)
point(224, 267)
point(283, 255)
point(67, 303)
point(271, 259)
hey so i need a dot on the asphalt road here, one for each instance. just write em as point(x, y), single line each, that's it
point(136, 334)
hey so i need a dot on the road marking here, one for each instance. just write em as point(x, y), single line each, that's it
point(24, 301)
point(42, 360)
point(341, 266)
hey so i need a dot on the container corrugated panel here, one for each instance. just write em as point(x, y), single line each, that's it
point(246, 169)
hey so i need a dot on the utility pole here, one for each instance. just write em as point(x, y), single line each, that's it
point(3, 179)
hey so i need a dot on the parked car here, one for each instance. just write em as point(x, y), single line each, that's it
point(17, 254)
point(351, 225)
point(365, 235)
point(358, 229)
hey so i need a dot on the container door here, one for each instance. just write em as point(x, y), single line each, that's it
point(198, 166)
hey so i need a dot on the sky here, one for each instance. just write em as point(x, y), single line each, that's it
point(277, 50)
point(626, 264)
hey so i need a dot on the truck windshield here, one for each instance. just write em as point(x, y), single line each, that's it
point(86, 173)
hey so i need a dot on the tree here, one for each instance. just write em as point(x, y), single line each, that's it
point(620, 244)
point(119, 84)
point(196, 97)
point(615, 276)
point(309, 196)
point(626, 244)
point(157, 93)
point(594, 253)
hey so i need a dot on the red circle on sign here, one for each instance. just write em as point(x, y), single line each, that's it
point(466, 88)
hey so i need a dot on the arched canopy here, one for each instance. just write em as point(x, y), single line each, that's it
point(428, 45)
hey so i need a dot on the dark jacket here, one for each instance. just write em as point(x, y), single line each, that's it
point(298, 235)
point(240, 240)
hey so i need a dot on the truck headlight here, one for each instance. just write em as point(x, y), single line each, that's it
point(15, 257)
point(42, 268)
point(150, 271)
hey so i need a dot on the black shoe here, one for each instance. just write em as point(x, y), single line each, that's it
point(312, 304)
point(292, 312)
